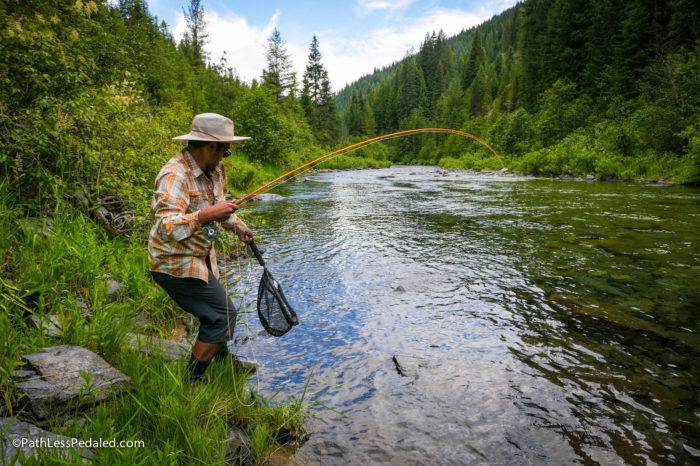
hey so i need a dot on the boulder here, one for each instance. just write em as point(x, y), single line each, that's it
point(16, 436)
point(169, 349)
point(61, 380)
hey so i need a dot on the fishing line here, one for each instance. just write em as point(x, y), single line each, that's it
point(284, 177)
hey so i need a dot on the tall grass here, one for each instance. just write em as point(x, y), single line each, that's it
point(179, 424)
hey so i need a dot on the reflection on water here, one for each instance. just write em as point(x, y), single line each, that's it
point(536, 321)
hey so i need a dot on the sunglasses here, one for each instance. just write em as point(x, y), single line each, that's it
point(227, 150)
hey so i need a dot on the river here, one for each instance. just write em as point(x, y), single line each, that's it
point(534, 320)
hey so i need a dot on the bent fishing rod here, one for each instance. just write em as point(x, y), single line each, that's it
point(284, 177)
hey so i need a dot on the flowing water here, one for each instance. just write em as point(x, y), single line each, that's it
point(534, 320)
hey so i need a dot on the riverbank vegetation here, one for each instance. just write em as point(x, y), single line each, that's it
point(91, 94)
point(607, 88)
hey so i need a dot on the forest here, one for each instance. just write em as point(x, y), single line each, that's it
point(559, 87)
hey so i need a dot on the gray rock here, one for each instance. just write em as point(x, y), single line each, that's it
point(50, 325)
point(503, 170)
point(267, 197)
point(400, 289)
point(87, 312)
point(169, 349)
point(61, 377)
point(33, 438)
point(141, 320)
point(590, 178)
point(22, 374)
point(114, 289)
point(238, 448)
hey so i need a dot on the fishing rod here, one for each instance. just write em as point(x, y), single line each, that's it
point(357, 145)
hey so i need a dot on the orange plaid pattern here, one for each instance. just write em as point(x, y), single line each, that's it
point(176, 244)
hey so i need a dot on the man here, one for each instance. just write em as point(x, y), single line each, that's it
point(188, 202)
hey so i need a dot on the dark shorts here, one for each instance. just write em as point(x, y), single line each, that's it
point(206, 301)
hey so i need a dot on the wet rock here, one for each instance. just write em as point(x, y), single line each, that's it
point(16, 436)
point(248, 337)
point(169, 349)
point(61, 379)
point(400, 289)
point(50, 325)
point(114, 289)
point(590, 178)
point(267, 197)
point(22, 374)
point(503, 170)
point(238, 448)
point(408, 366)
point(398, 366)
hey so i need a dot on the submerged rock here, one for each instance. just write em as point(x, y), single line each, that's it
point(16, 436)
point(170, 349)
point(63, 374)
point(267, 197)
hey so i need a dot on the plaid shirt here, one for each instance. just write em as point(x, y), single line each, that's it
point(176, 244)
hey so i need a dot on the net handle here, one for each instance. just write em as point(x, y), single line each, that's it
point(256, 252)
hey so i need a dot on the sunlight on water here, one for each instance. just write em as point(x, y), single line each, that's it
point(535, 320)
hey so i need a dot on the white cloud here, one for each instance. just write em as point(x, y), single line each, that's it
point(346, 58)
point(243, 43)
point(383, 4)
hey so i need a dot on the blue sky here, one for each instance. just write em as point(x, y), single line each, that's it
point(355, 36)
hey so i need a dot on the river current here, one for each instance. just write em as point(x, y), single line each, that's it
point(462, 318)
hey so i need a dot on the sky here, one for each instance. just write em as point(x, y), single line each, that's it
point(355, 36)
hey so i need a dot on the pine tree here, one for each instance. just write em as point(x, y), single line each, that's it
point(193, 41)
point(317, 98)
point(474, 61)
point(278, 75)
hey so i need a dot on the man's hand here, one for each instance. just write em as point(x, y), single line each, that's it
point(219, 212)
point(245, 234)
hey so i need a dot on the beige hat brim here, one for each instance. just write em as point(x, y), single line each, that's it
point(193, 136)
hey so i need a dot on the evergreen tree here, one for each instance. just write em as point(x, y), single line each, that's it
point(278, 75)
point(317, 99)
point(195, 37)
point(473, 62)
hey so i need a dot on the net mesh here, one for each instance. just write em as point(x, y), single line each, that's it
point(276, 315)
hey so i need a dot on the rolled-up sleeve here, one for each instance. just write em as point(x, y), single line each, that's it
point(171, 202)
point(230, 223)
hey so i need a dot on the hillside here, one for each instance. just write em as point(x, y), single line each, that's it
point(558, 86)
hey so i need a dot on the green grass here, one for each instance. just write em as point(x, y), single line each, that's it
point(178, 423)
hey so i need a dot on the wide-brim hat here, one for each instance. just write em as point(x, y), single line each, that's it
point(211, 127)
